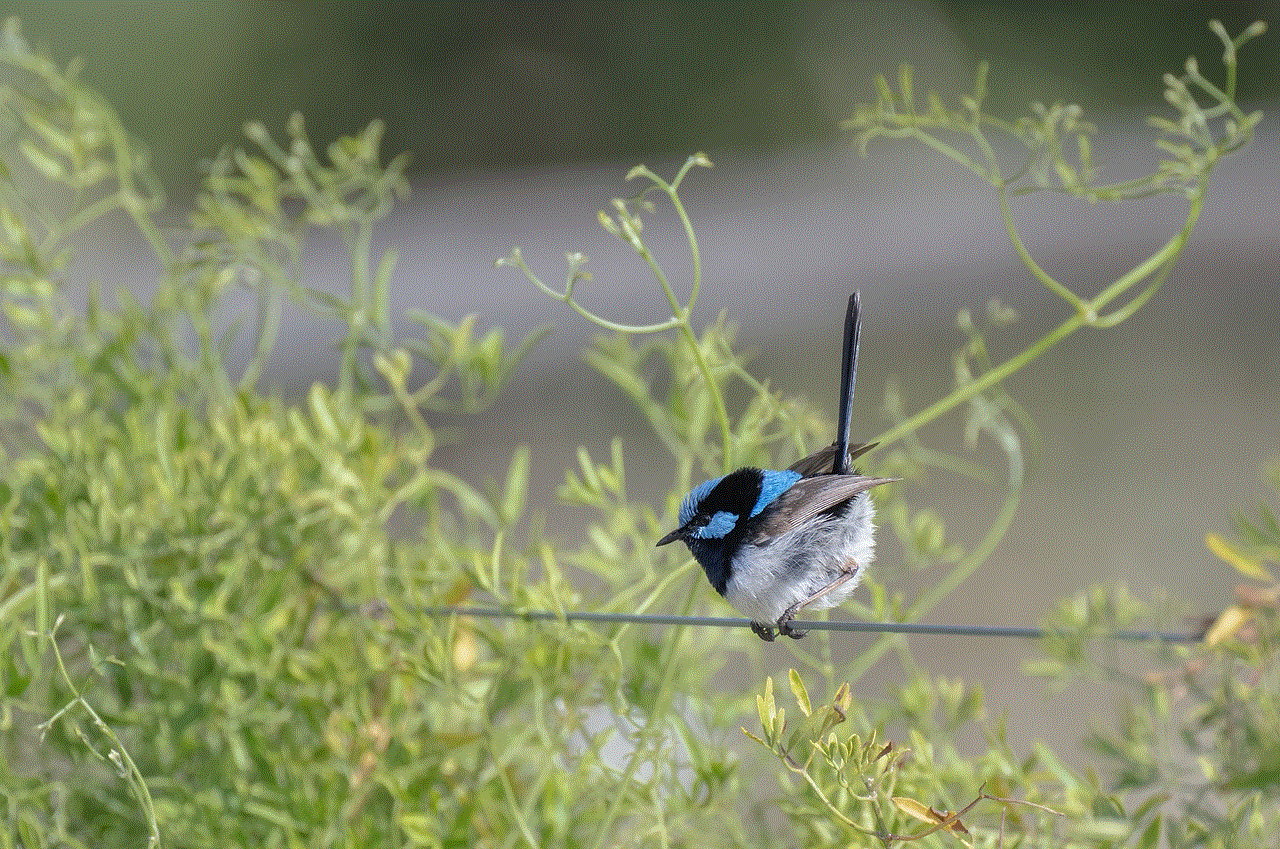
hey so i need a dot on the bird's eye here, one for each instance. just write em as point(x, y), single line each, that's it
point(712, 525)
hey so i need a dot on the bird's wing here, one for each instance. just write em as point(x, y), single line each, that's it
point(807, 498)
point(822, 461)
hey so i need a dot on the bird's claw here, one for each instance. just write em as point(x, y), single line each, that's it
point(785, 629)
point(784, 625)
point(764, 632)
point(784, 621)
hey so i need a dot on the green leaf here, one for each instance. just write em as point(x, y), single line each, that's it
point(767, 709)
point(1228, 623)
point(320, 403)
point(49, 167)
point(916, 810)
point(517, 486)
point(42, 596)
point(1150, 838)
point(420, 829)
point(1250, 567)
point(799, 691)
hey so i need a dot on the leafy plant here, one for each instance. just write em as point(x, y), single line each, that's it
point(666, 367)
point(216, 604)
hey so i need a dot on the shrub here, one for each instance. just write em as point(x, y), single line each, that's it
point(213, 635)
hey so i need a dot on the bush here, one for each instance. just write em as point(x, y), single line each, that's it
point(213, 636)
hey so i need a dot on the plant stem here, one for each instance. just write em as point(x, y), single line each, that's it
point(1158, 262)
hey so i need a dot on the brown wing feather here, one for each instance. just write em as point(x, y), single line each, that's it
point(810, 496)
point(822, 461)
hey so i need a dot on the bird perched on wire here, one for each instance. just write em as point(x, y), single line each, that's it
point(775, 542)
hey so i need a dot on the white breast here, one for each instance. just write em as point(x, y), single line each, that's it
point(767, 579)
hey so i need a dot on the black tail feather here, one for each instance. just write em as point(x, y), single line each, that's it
point(848, 376)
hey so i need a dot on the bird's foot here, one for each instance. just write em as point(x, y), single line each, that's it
point(784, 626)
point(784, 621)
point(790, 612)
point(764, 632)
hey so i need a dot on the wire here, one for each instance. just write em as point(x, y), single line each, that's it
point(863, 627)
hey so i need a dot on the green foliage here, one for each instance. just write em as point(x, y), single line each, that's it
point(1196, 744)
point(210, 607)
point(838, 780)
point(1193, 144)
point(212, 598)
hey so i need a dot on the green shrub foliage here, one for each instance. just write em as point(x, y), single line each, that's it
point(215, 602)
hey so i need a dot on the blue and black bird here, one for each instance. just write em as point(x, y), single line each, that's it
point(775, 542)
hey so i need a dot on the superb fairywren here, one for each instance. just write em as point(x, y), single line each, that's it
point(774, 542)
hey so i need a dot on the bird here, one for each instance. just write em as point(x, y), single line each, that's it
point(774, 542)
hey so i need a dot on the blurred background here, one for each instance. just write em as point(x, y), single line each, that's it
point(522, 119)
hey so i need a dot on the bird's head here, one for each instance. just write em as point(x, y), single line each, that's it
point(713, 510)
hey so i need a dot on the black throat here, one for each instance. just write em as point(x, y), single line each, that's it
point(737, 494)
point(715, 557)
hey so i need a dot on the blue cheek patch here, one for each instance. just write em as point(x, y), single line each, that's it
point(719, 526)
point(773, 484)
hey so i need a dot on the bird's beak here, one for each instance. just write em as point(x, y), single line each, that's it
point(678, 533)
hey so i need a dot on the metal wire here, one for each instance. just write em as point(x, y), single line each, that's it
point(862, 627)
